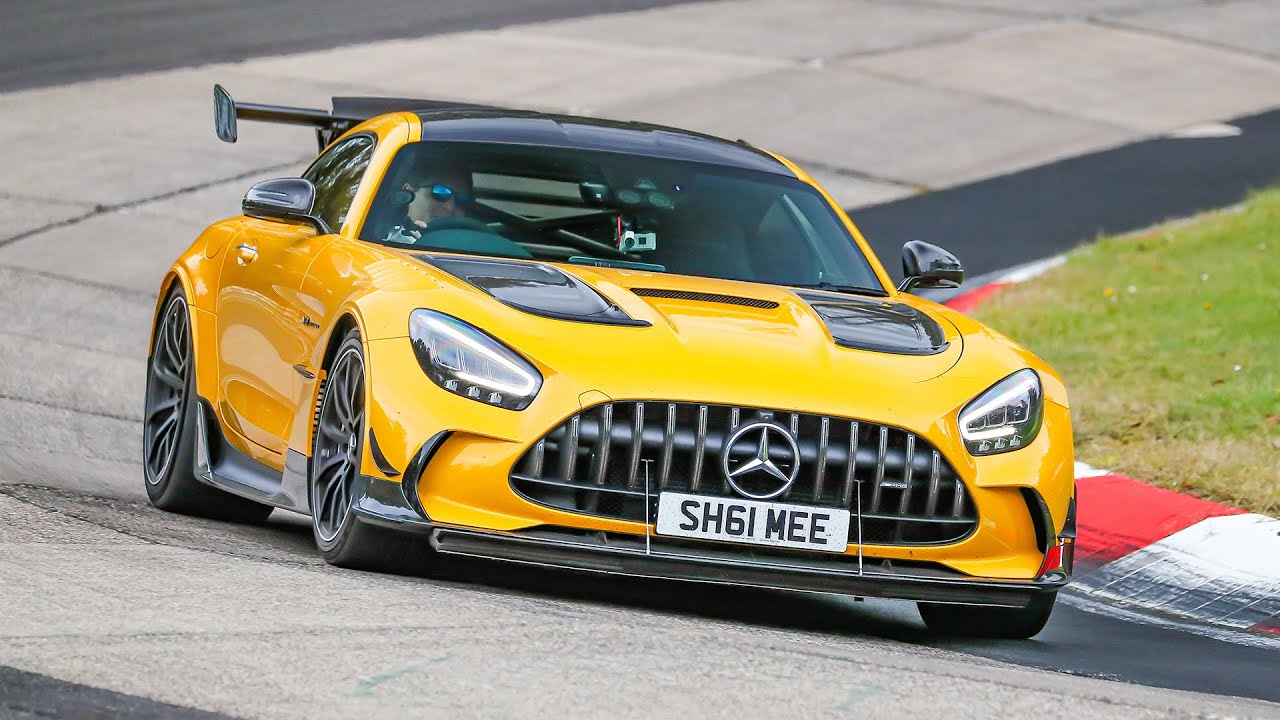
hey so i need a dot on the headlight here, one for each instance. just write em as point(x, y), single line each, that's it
point(1004, 418)
point(467, 362)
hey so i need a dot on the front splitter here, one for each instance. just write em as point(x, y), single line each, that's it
point(692, 566)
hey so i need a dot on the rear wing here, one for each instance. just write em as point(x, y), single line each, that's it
point(329, 124)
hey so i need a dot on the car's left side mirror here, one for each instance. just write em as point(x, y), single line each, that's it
point(286, 199)
point(925, 265)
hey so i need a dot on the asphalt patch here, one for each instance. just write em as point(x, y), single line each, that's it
point(26, 695)
point(1033, 214)
point(49, 43)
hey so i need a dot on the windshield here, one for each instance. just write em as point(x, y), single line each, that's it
point(615, 210)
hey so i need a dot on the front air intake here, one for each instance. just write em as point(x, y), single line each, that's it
point(606, 460)
point(705, 297)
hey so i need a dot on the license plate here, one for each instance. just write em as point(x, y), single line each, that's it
point(751, 521)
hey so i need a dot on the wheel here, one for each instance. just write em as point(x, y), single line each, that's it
point(334, 470)
point(169, 426)
point(989, 622)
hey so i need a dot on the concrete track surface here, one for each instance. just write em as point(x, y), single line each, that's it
point(109, 607)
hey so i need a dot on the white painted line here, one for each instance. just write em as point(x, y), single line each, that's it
point(1204, 131)
point(1091, 604)
point(1023, 273)
point(1222, 570)
point(1084, 470)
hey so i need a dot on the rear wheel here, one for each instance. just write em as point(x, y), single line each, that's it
point(169, 426)
point(334, 474)
point(989, 622)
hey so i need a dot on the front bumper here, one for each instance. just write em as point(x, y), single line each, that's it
point(466, 488)
point(707, 565)
point(381, 502)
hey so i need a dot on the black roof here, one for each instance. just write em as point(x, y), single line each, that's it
point(466, 122)
point(581, 133)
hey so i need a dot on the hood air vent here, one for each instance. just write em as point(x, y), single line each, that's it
point(705, 297)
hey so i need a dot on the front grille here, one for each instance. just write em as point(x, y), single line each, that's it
point(599, 461)
point(705, 297)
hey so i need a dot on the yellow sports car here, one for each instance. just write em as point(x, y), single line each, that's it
point(604, 346)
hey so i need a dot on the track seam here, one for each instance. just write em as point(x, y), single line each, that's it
point(1118, 23)
point(6, 490)
point(807, 165)
point(43, 340)
point(970, 9)
point(1134, 134)
point(79, 411)
point(125, 293)
point(102, 209)
point(310, 629)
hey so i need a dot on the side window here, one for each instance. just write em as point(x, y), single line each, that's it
point(337, 177)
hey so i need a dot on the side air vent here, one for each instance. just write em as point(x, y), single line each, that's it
point(705, 297)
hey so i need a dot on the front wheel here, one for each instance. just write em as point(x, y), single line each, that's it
point(334, 476)
point(989, 622)
point(169, 426)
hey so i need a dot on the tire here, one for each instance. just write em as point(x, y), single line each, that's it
point(169, 426)
point(333, 473)
point(989, 622)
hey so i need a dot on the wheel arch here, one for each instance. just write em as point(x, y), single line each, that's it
point(171, 279)
point(202, 324)
point(346, 322)
point(322, 357)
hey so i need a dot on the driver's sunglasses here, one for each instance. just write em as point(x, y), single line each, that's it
point(441, 193)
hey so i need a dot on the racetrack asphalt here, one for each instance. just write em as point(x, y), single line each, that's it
point(1021, 217)
point(29, 696)
point(62, 41)
point(518, 606)
point(991, 224)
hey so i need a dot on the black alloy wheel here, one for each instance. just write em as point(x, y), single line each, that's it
point(334, 480)
point(167, 385)
point(335, 461)
point(169, 432)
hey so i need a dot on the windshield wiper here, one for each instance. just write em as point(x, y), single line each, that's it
point(612, 263)
point(848, 289)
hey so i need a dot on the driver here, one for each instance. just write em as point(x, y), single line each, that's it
point(442, 192)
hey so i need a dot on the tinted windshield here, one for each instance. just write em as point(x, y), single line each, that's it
point(611, 209)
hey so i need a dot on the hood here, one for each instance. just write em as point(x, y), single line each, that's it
point(861, 323)
point(878, 325)
point(902, 359)
point(534, 288)
point(637, 333)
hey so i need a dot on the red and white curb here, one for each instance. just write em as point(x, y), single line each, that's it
point(1145, 547)
point(970, 299)
point(1166, 551)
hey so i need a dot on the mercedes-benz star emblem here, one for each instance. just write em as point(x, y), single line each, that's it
point(760, 460)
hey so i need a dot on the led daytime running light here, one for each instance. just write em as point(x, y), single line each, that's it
point(444, 329)
point(1004, 418)
point(465, 361)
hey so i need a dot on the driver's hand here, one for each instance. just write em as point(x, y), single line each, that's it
point(399, 234)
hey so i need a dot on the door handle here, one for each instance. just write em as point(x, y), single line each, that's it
point(246, 254)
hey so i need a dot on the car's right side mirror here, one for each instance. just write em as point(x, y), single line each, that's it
point(925, 265)
point(286, 199)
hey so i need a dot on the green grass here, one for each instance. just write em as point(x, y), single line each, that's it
point(1169, 342)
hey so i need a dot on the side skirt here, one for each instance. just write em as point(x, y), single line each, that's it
point(226, 468)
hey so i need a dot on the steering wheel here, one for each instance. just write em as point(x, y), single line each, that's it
point(457, 222)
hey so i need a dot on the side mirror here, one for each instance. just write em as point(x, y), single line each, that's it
point(929, 266)
point(285, 199)
point(224, 115)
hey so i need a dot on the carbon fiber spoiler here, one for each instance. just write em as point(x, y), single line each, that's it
point(347, 113)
